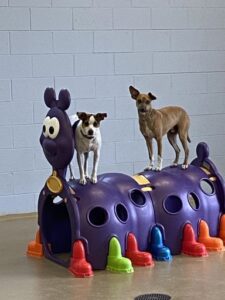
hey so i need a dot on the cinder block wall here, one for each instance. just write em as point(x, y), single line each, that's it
point(96, 49)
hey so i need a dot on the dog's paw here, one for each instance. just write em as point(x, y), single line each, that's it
point(83, 181)
point(184, 167)
point(93, 179)
point(157, 169)
point(149, 168)
point(174, 165)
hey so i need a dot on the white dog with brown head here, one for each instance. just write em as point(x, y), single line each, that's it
point(87, 138)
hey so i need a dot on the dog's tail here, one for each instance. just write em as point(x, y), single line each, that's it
point(188, 138)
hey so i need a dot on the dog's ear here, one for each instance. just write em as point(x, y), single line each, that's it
point(50, 97)
point(134, 93)
point(100, 116)
point(82, 115)
point(151, 96)
point(64, 100)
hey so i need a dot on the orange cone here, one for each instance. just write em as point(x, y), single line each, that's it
point(211, 243)
point(35, 248)
point(222, 228)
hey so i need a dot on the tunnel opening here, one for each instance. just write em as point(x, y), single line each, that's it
point(56, 230)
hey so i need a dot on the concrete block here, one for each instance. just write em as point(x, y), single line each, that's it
point(30, 89)
point(133, 63)
point(5, 90)
point(189, 83)
point(6, 183)
point(73, 41)
point(14, 18)
point(79, 87)
point(151, 3)
point(53, 65)
point(92, 18)
point(51, 19)
point(113, 41)
point(117, 130)
point(6, 137)
point(31, 42)
point(169, 18)
point(4, 46)
point(151, 40)
point(71, 3)
point(170, 62)
point(112, 3)
point(94, 64)
point(97, 106)
point(131, 18)
point(188, 40)
point(206, 18)
point(112, 86)
point(12, 66)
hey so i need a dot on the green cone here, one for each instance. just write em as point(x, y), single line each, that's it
point(115, 261)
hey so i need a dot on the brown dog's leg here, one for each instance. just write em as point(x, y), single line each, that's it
point(183, 139)
point(172, 138)
point(150, 154)
point(159, 159)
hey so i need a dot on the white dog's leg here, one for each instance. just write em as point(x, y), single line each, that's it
point(159, 163)
point(95, 166)
point(71, 172)
point(81, 168)
point(86, 165)
point(150, 154)
point(151, 164)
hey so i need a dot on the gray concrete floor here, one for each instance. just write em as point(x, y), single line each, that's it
point(27, 278)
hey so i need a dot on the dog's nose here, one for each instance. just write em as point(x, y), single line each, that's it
point(90, 132)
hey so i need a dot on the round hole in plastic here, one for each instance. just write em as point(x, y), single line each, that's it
point(173, 204)
point(121, 212)
point(98, 216)
point(207, 186)
point(138, 197)
point(193, 201)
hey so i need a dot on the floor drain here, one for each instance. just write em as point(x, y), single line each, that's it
point(153, 297)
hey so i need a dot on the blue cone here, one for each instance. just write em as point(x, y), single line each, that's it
point(157, 248)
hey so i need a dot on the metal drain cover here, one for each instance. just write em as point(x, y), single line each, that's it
point(153, 297)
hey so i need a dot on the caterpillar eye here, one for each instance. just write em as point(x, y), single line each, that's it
point(45, 126)
point(50, 127)
point(54, 127)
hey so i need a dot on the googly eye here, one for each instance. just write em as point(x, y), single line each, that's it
point(53, 128)
point(45, 126)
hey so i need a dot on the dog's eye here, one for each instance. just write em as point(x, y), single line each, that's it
point(95, 124)
point(86, 123)
point(139, 101)
point(147, 102)
point(53, 128)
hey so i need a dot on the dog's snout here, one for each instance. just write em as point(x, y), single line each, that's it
point(90, 132)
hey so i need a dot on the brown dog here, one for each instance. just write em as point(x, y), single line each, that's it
point(155, 123)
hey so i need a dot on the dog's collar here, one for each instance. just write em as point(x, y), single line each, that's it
point(86, 136)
